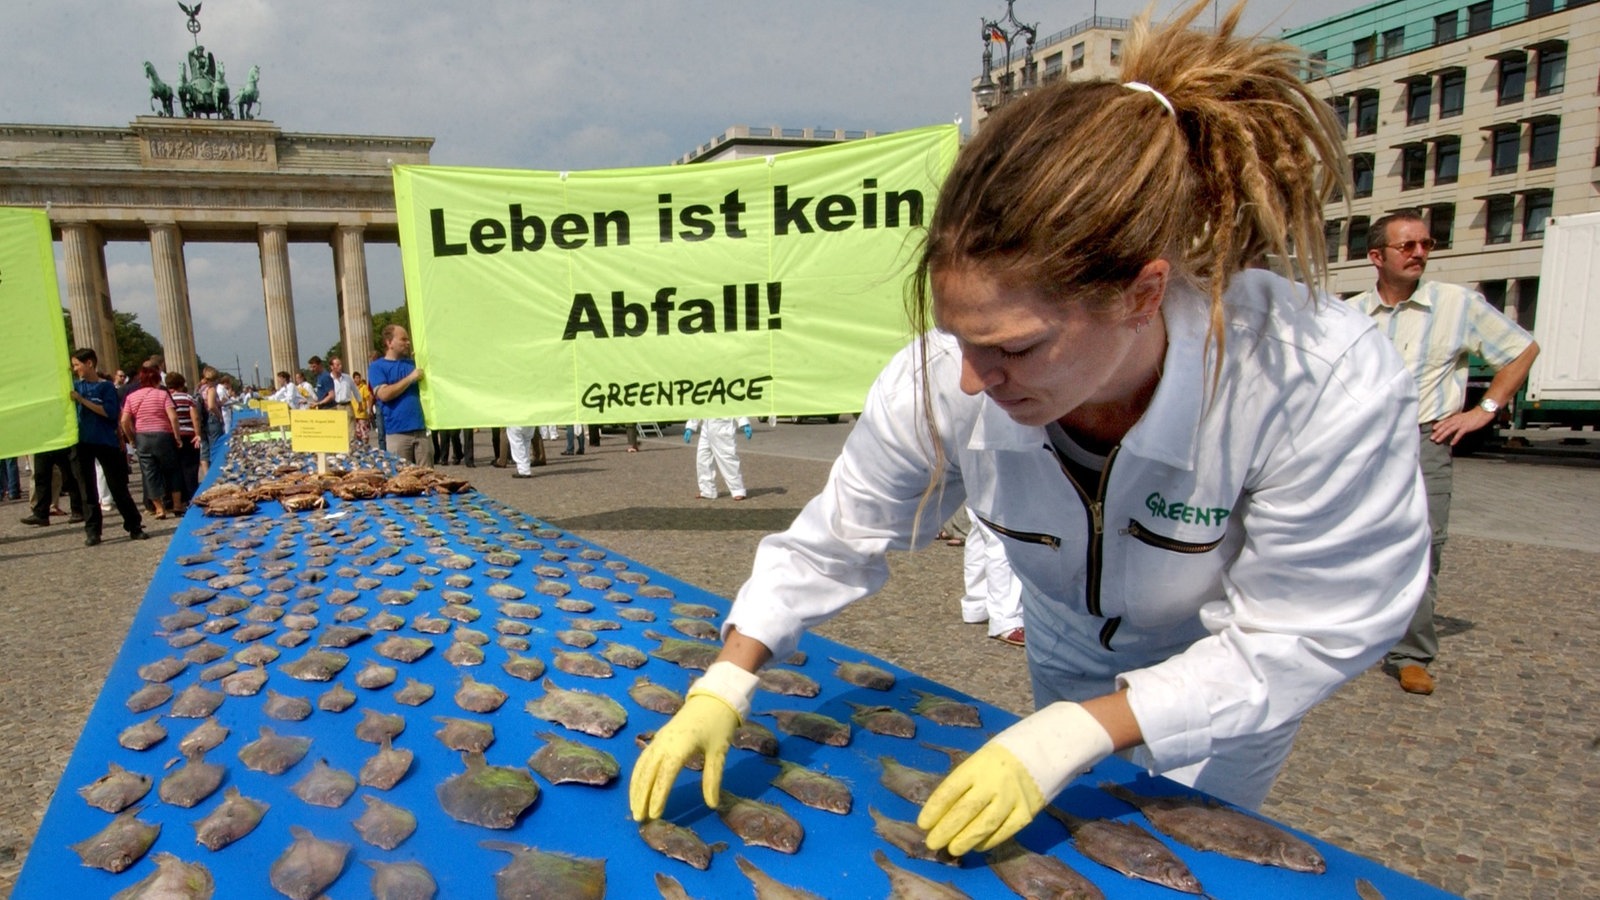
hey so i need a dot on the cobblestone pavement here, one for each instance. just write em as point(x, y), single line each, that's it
point(1482, 788)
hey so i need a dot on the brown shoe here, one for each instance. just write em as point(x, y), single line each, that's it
point(1016, 637)
point(1414, 679)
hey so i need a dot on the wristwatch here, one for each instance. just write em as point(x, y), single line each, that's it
point(1489, 406)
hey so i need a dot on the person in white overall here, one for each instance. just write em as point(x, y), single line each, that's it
point(1205, 473)
point(718, 453)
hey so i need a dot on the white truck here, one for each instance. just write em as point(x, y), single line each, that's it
point(1564, 385)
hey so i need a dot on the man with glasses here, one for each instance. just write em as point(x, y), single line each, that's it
point(1436, 327)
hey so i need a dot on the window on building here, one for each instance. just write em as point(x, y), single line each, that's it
point(1512, 74)
point(1540, 7)
point(1446, 160)
point(1413, 166)
point(1356, 241)
point(1419, 100)
point(1394, 42)
point(1452, 92)
point(1052, 67)
point(1551, 75)
point(1361, 174)
point(1317, 65)
point(1506, 141)
point(1480, 17)
point(1498, 213)
point(1330, 236)
point(1444, 27)
point(1535, 211)
point(1543, 136)
point(1364, 50)
point(1341, 108)
point(1494, 291)
point(1527, 305)
point(1366, 113)
point(1441, 224)
point(1077, 57)
point(1116, 51)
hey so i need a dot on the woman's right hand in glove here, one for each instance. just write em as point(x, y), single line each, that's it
point(717, 704)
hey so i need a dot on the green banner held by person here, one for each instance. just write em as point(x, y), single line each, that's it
point(36, 410)
point(761, 286)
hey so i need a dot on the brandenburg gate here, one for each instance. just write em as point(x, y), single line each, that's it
point(172, 181)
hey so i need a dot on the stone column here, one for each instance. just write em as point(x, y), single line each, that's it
point(355, 306)
point(88, 295)
point(172, 300)
point(283, 348)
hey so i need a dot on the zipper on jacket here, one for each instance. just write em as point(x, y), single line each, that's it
point(1027, 537)
point(1095, 507)
point(1147, 536)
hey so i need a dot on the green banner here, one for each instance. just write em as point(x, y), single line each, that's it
point(762, 286)
point(36, 411)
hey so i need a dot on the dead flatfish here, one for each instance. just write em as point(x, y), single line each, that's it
point(490, 796)
point(472, 636)
point(478, 696)
point(905, 884)
point(457, 561)
point(502, 591)
point(757, 738)
point(461, 653)
point(286, 707)
point(760, 824)
point(256, 655)
point(221, 670)
point(1129, 849)
point(234, 818)
point(637, 615)
point(143, 735)
point(864, 674)
point(884, 720)
point(812, 726)
point(915, 785)
point(415, 693)
point(911, 840)
point(375, 726)
point(688, 654)
point(200, 654)
point(596, 624)
point(464, 734)
point(316, 665)
point(1032, 874)
point(309, 866)
point(186, 618)
point(396, 597)
point(463, 614)
point(678, 842)
point(594, 582)
point(957, 755)
point(385, 768)
point(386, 621)
point(632, 577)
point(196, 702)
point(149, 697)
point(572, 637)
point(303, 621)
point(403, 649)
point(274, 753)
point(527, 668)
point(769, 888)
point(341, 596)
point(513, 643)
point(374, 676)
point(385, 825)
point(430, 624)
point(455, 597)
point(512, 626)
point(195, 559)
point(656, 592)
point(694, 610)
point(164, 669)
point(192, 782)
point(578, 710)
point(1205, 825)
point(401, 881)
point(813, 788)
point(262, 614)
point(365, 583)
point(582, 568)
point(253, 632)
point(551, 588)
point(118, 845)
point(342, 636)
point(538, 873)
point(655, 697)
point(458, 580)
point(670, 888)
point(292, 638)
point(336, 699)
point(520, 610)
point(223, 582)
point(946, 711)
point(576, 662)
point(1366, 890)
point(696, 628)
point(192, 595)
point(786, 681)
point(206, 736)
point(173, 879)
point(544, 571)
point(565, 761)
point(616, 596)
point(325, 786)
point(628, 657)
point(389, 570)
point(280, 585)
point(227, 606)
point(116, 790)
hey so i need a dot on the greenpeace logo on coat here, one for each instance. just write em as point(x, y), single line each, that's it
point(1180, 511)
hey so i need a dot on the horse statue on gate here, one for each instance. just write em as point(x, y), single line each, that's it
point(250, 98)
point(160, 92)
point(204, 88)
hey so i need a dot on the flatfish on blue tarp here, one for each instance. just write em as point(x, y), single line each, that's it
point(760, 824)
point(234, 818)
point(308, 866)
point(385, 825)
point(1129, 849)
point(401, 881)
point(173, 879)
point(1037, 875)
point(583, 711)
point(120, 844)
point(1206, 825)
point(564, 761)
point(911, 840)
point(906, 883)
point(491, 796)
point(813, 788)
point(678, 842)
point(812, 726)
point(537, 873)
point(769, 888)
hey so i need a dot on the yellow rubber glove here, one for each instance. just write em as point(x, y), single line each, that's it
point(718, 701)
point(999, 789)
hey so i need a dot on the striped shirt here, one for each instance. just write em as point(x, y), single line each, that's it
point(148, 409)
point(185, 404)
point(1436, 330)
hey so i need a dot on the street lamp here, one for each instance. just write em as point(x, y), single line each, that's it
point(989, 93)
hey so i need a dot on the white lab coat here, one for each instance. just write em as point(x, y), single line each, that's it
point(1259, 547)
point(717, 449)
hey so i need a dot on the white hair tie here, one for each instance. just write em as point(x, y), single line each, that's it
point(1145, 88)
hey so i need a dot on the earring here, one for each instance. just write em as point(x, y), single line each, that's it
point(1141, 324)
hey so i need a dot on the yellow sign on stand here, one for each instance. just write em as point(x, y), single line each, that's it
point(277, 413)
point(319, 431)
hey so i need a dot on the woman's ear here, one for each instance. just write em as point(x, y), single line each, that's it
point(1148, 289)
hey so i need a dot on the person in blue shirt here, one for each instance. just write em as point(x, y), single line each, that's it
point(394, 378)
point(322, 386)
point(99, 408)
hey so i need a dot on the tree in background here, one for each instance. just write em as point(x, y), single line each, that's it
point(400, 316)
point(134, 344)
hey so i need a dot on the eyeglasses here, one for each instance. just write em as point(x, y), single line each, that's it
point(1427, 245)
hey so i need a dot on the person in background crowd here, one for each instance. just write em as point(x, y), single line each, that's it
point(575, 438)
point(322, 385)
point(1437, 327)
point(717, 453)
point(150, 423)
point(444, 441)
point(10, 479)
point(119, 380)
point(210, 406)
point(1205, 473)
point(189, 439)
point(285, 392)
point(100, 448)
point(227, 395)
point(305, 396)
point(361, 410)
point(519, 440)
point(394, 380)
point(44, 496)
point(994, 594)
